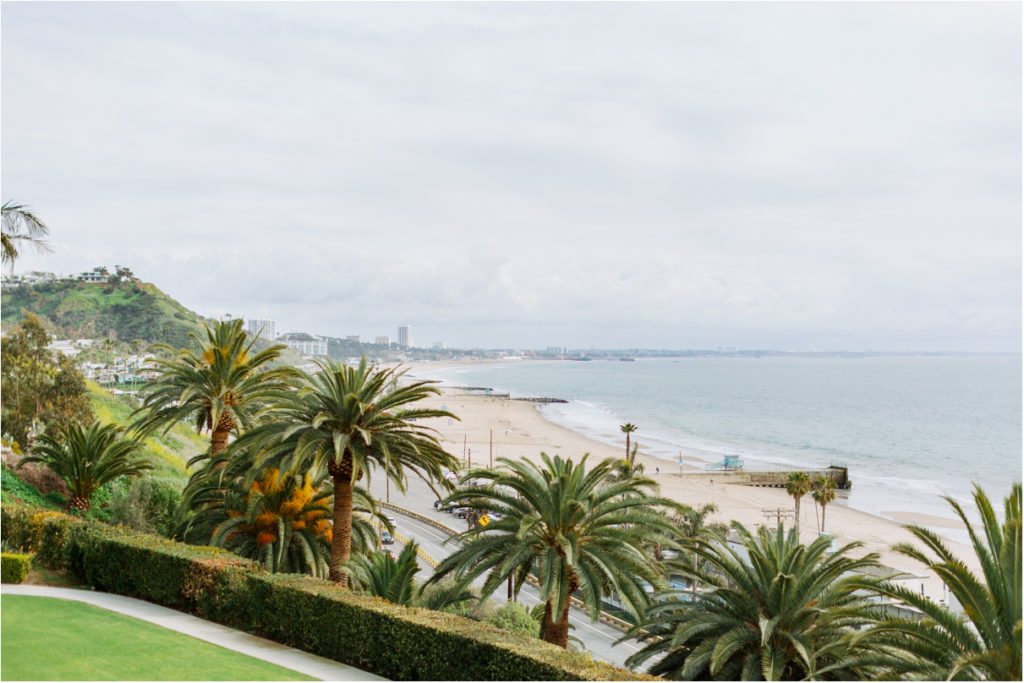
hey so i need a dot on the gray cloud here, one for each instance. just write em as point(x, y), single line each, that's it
point(828, 175)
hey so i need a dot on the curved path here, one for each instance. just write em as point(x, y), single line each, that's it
point(232, 639)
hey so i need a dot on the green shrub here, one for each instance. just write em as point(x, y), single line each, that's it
point(14, 567)
point(148, 506)
point(14, 486)
point(516, 618)
point(398, 642)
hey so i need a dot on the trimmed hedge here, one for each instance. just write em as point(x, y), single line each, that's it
point(14, 567)
point(394, 641)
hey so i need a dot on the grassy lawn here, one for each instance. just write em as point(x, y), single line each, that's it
point(60, 640)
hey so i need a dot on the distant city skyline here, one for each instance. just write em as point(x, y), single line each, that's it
point(783, 175)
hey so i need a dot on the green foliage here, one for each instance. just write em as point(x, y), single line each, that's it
point(39, 391)
point(777, 611)
point(149, 505)
point(14, 567)
point(381, 575)
point(86, 460)
point(14, 487)
point(395, 641)
point(168, 450)
point(220, 385)
point(514, 617)
point(348, 421)
point(575, 528)
point(83, 310)
point(984, 643)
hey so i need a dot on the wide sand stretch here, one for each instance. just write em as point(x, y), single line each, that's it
point(491, 426)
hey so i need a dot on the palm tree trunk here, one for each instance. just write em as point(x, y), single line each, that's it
point(218, 442)
point(816, 516)
point(823, 517)
point(556, 632)
point(796, 523)
point(341, 540)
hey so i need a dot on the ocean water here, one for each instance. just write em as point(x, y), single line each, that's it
point(911, 429)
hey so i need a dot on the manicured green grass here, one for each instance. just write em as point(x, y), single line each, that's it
point(59, 640)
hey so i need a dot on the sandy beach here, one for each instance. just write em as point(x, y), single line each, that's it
point(494, 427)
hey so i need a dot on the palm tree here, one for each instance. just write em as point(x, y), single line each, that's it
point(20, 226)
point(985, 642)
point(776, 610)
point(221, 386)
point(627, 468)
point(282, 519)
point(577, 529)
point(691, 524)
point(381, 574)
point(86, 460)
point(346, 421)
point(628, 429)
point(798, 485)
point(823, 492)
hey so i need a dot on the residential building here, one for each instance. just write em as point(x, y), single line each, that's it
point(309, 347)
point(384, 341)
point(405, 336)
point(267, 329)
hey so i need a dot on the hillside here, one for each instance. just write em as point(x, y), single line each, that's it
point(84, 310)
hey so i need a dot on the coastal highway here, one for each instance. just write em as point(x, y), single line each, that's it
point(598, 638)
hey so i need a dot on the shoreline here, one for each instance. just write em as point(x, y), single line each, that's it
point(493, 426)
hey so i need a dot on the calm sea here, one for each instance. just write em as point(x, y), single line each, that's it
point(911, 429)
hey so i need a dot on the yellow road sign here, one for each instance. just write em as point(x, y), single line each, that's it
point(484, 520)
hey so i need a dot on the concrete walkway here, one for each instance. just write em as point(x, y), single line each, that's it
point(232, 639)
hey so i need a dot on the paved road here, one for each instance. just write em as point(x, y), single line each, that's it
point(598, 638)
point(232, 639)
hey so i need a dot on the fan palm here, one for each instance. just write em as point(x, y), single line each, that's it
point(823, 492)
point(86, 460)
point(221, 385)
point(577, 529)
point(776, 610)
point(20, 226)
point(798, 485)
point(984, 643)
point(346, 421)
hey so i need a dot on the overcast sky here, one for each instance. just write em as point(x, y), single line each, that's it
point(661, 175)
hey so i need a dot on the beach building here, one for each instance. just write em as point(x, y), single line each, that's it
point(267, 329)
point(405, 336)
point(308, 347)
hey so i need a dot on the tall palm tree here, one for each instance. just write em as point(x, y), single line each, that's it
point(578, 529)
point(798, 485)
point(823, 492)
point(776, 610)
point(628, 429)
point(347, 421)
point(86, 460)
point(985, 642)
point(221, 385)
point(20, 226)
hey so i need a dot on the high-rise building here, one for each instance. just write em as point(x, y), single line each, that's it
point(385, 341)
point(267, 329)
point(405, 336)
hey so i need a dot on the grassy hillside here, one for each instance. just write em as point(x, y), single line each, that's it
point(82, 310)
point(173, 450)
